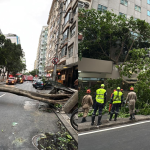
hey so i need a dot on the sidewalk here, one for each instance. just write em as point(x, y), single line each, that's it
point(86, 126)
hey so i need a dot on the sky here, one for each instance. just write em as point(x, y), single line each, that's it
point(25, 18)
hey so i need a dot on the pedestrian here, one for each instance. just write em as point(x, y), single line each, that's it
point(131, 97)
point(76, 84)
point(110, 105)
point(116, 100)
point(100, 103)
point(87, 102)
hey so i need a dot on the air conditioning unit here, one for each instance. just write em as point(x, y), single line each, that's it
point(71, 20)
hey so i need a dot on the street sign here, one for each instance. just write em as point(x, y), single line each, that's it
point(55, 61)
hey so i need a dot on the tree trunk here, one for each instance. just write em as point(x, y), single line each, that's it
point(47, 98)
point(71, 102)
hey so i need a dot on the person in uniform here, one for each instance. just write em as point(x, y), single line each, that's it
point(131, 97)
point(116, 100)
point(87, 102)
point(100, 103)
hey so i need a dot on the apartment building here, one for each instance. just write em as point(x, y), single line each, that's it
point(63, 37)
point(13, 37)
point(0, 32)
point(41, 51)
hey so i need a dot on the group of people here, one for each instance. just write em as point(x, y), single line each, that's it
point(115, 103)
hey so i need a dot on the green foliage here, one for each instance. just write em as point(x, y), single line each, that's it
point(10, 56)
point(34, 72)
point(105, 31)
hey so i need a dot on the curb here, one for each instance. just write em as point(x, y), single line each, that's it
point(62, 117)
point(87, 126)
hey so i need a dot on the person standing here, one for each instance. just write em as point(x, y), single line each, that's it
point(100, 103)
point(87, 102)
point(110, 105)
point(116, 100)
point(131, 97)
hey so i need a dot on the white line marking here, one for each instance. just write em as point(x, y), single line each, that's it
point(114, 128)
point(2, 95)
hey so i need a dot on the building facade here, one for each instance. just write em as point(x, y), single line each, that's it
point(139, 9)
point(13, 37)
point(63, 38)
point(41, 51)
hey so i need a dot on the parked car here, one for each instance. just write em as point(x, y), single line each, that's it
point(38, 84)
point(11, 80)
point(34, 82)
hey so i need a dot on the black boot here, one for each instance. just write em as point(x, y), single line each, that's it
point(133, 117)
point(93, 118)
point(111, 114)
point(116, 114)
point(83, 120)
point(130, 117)
point(99, 120)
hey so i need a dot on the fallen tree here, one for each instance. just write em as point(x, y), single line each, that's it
point(47, 98)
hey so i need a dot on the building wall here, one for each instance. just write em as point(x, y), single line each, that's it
point(41, 51)
point(67, 46)
point(128, 10)
point(13, 37)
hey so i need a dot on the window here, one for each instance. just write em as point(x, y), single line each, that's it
point(124, 2)
point(148, 1)
point(138, 8)
point(67, 18)
point(73, 30)
point(64, 51)
point(122, 14)
point(67, 3)
point(65, 34)
point(70, 51)
point(148, 13)
point(101, 8)
point(75, 11)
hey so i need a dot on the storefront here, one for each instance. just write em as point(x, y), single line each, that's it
point(67, 76)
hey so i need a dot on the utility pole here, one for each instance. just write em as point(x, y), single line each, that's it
point(55, 65)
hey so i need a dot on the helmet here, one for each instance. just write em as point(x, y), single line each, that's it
point(88, 91)
point(102, 85)
point(121, 90)
point(118, 88)
point(114, 90)
point(131, 88)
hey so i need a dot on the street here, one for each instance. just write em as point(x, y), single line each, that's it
point(21, 120)
point(128, 137)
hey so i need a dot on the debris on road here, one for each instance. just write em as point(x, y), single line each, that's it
point(14, 124)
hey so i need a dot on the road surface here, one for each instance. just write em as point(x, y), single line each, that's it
point(128, 137)
point(21, 120)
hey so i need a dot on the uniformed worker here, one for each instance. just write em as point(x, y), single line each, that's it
point(116, 100)
point(131, 97)
point(87, 102)
point(100, 103)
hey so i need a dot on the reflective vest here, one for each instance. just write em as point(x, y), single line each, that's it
point(100, 95)
point(117, 97)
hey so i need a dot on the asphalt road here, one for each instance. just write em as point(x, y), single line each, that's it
point(30, 120)
point(136, 137)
